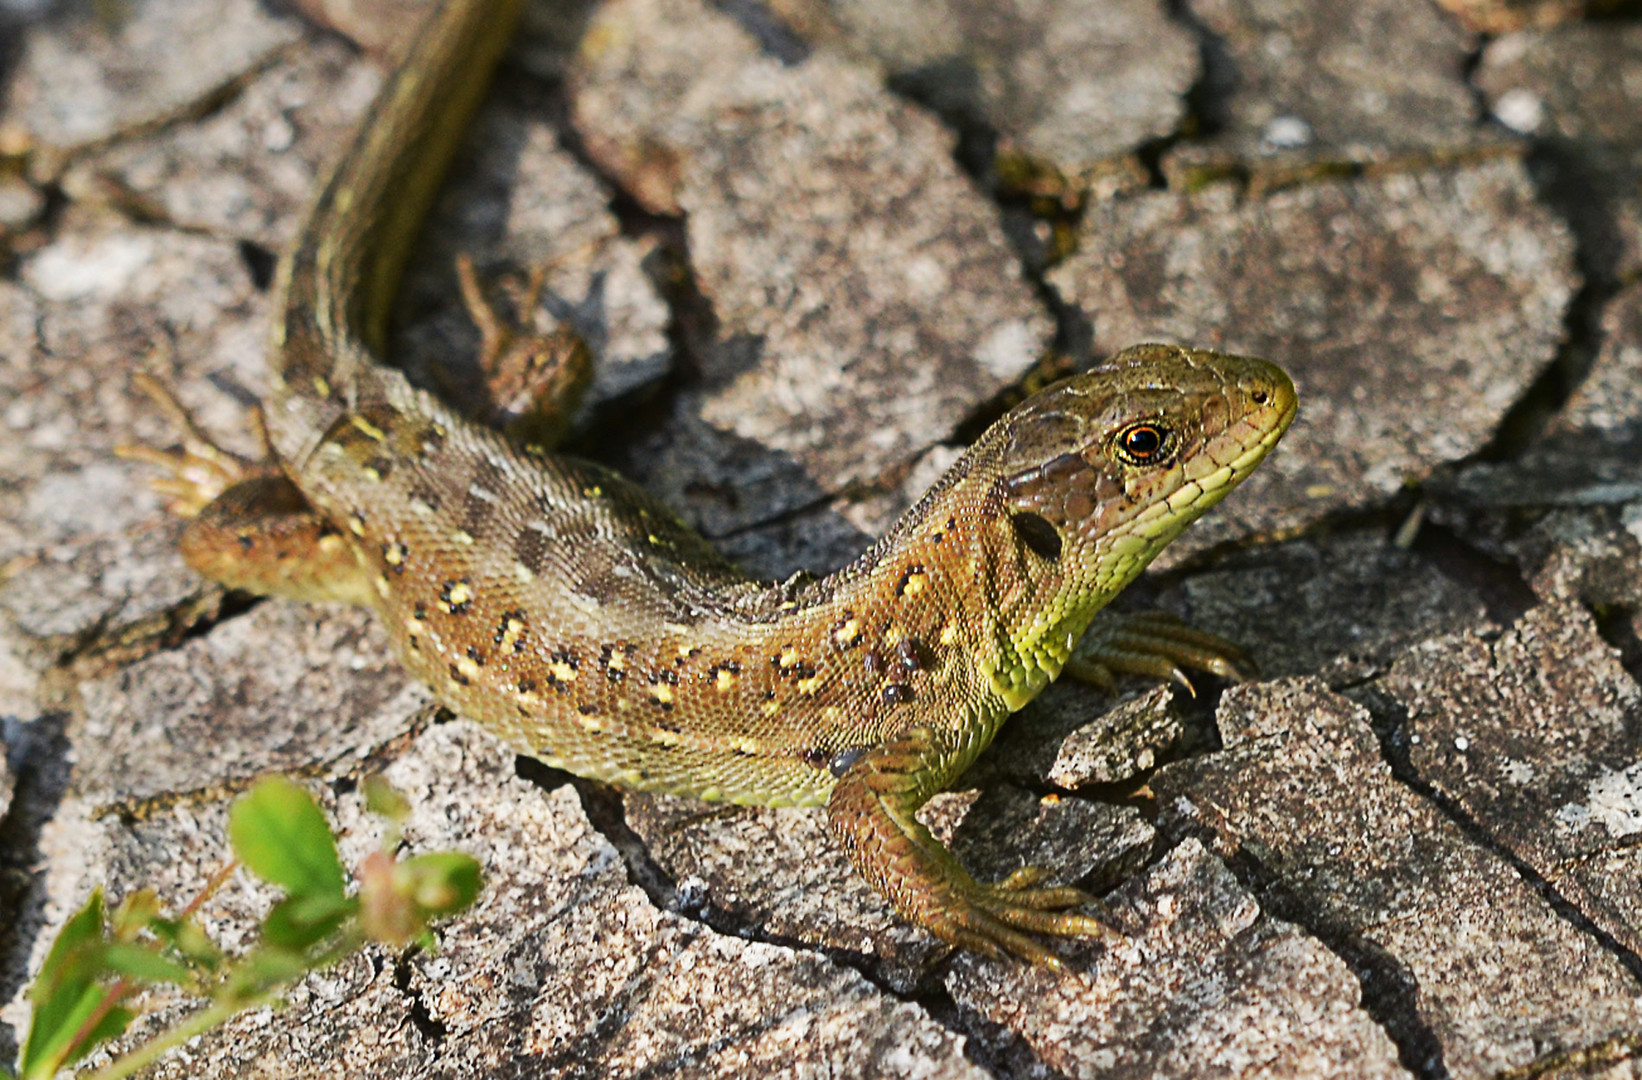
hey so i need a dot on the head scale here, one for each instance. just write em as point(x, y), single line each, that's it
point(1097, 473)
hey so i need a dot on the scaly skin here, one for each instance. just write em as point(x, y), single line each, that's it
point(570, 613)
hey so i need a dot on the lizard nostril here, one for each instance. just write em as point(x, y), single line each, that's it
point(1259, 397)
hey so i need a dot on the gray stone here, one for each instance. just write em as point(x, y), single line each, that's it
point(518, 199)
point(1412, 310)
point(19, 351)
point(1341, 606)
point(525, 979)
point(695, 1004)
point(1567, 512)
point(1297, 85)
point(1067, 85)
point(1507, 16)
point(1302, 798)
point(1592, 555)
point(817, 540)
point(560, 943)
point(19, 680)
point(1205, 984)
point(8, 782)
point(831, 533)
point(1069, 737)
point(285, 688)
point(89, 549)
point(831, 287)
point(21, 205)
point(1608, 401)
point(1537, 735)
point(828, 229)
point(376, 26)
point(1577, 90)
point(86, 77)
point(1590, 453)
point(248, 169)
point(777, 874)
point(1088, 844)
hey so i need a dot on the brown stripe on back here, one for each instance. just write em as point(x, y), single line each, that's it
point(530, 547)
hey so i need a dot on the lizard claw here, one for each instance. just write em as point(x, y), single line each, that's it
point(1000, 919)
point(872, 811)
point(199, 470)
point(1155, 644)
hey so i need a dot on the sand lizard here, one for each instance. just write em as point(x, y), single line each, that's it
point(575, 616)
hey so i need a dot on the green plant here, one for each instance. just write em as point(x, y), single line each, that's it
point(101, 958)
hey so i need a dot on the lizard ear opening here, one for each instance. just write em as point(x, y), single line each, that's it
point(1037, 534)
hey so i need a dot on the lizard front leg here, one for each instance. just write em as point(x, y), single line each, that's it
point(871, 812)
point(249, 527)
point(1155, 644)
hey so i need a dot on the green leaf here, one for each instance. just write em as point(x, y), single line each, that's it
point(383, 800)
point(444, 882)
point(143, 964)
point(192, 942)
point(300, 921)
point(260, 972)
point(111, 1025)
point(82, 928)
point(135, 913)
point(66, 994)
point(280, 834)
point(50, 1045)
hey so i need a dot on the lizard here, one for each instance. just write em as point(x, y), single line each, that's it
point(572, 614)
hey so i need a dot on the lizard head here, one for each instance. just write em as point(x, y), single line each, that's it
point(1095, 474)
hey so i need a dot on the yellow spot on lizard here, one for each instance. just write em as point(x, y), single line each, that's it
point(459, 594)
point(369, 429)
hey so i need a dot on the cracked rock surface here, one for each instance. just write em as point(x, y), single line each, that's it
point(815, 246)
point(1330, 83)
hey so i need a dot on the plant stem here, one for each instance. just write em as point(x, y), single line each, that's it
point(200, 1022)
point(111, 997)
point(218, 1012)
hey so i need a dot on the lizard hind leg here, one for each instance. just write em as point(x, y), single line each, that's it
point(871, 811)
point(248, 525)
point(535, 380)
point(263, 536)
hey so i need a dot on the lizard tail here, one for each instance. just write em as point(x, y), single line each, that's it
point(338, 281)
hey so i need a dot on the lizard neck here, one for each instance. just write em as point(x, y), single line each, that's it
point(953, 576)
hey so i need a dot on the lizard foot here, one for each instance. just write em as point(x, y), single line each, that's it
point(535, 380)
point(999, 919)
point(249, 527)
point(196, 472)
point(871, 811)
point(1155, 644)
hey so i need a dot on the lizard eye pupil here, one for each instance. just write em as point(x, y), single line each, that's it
point(1142, 443)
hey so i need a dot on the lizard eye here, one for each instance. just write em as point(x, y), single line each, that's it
point(1142, 444)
